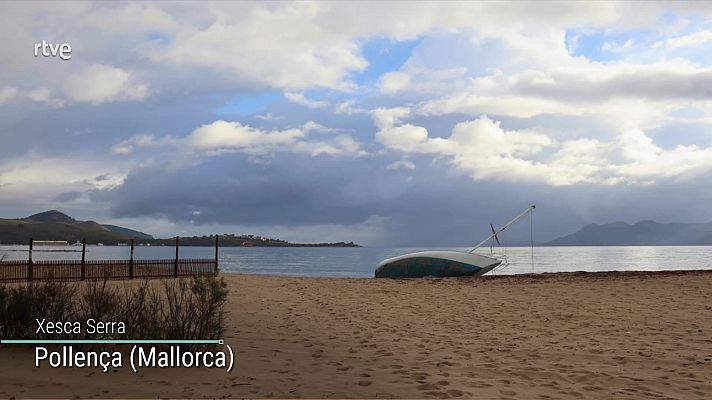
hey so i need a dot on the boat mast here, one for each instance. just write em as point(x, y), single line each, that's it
point(507, 225)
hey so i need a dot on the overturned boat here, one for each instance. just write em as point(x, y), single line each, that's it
point(445, 263)
point(436, 263)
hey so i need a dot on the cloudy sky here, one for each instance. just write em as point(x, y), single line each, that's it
point(383, 123)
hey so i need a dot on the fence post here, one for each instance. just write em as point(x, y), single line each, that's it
point(30, 272)
point(217, 237)
point(84, 258)
point(175, 266)
point(131, 262)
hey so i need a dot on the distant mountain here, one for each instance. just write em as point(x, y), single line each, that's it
point(643, 233)
point(51, 216)
point(55, 225)
point(129, 232)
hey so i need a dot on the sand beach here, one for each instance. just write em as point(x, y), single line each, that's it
point(548, 336)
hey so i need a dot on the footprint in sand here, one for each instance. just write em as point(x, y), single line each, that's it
point(445, 364)
point(427, 387)
point(438, 395)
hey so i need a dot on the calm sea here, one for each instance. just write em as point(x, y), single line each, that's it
point(360, 262)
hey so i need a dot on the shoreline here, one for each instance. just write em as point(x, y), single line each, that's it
point(537, 276)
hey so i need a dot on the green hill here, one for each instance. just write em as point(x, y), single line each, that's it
point(55, 225)
point(127, 231)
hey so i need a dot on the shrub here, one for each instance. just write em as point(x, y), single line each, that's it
point(185, 308)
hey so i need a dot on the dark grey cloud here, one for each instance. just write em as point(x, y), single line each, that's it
point(666, 82)
point(66, 197)
point(434, 208)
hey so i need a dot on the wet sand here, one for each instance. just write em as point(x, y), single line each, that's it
point(550, 336)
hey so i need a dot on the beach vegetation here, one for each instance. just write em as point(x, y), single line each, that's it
point(184, 308)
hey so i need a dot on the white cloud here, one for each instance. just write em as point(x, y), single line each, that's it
point(483, 150)
point(143, 141)
point(267, 117)
point(348, 108)
point(341, 145)
point(233, 135)
point(690, 40)
point(224, 137)
point(300, 99)
point(304, 54)
point(40, 95)
point(480, 147)
point(512, 62)
point(403, 163)
point(617, 94)
point(100, 83)
point(616, 47)
point(572, 43)
point(310, 45)
point(421, 79)
point(43, 95)
point(311, 126)
point(394, 82)
point(46, 176)
point(129, 19)
point(625, 98)
point(7, 93)
point(387, 117)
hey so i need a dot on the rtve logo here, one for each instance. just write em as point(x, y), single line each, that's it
point(61, 50)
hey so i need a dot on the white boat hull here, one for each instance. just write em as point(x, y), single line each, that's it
point(437, 264)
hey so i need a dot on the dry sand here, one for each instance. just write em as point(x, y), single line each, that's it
point(597, 336)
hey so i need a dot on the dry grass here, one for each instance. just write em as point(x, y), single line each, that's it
point(184, 308)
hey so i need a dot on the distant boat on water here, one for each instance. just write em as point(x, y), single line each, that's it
point(445, 263)
point(50, 242)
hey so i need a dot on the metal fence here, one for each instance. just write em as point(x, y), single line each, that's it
point(76, 270)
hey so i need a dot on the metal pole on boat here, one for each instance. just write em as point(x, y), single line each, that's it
point(507, 225)
point(531, 237)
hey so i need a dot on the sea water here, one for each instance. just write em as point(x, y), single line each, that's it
point(361, 261)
